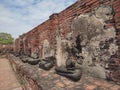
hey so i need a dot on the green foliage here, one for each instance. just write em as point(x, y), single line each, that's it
point(6, 38)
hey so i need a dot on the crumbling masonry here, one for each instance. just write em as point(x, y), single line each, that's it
point(86, 33)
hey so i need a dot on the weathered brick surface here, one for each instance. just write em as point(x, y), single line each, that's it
point(63, 21)
point(34, 39)
point(6, 48)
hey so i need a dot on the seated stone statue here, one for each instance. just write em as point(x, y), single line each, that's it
point(69, 71)
point(16, 54)
point(24, 58)
point(33, 61)
point(47, 63)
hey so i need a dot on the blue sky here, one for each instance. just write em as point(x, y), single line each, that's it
point(20, 16)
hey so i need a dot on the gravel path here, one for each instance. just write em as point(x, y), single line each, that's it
point(8, 80)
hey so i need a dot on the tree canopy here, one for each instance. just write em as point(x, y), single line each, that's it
point(6, 38)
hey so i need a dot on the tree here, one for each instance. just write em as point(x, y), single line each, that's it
point(6, 38)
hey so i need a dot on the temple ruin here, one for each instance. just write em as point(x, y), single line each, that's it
point(83, 39)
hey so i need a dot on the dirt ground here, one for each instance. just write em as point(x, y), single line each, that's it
point(8, 80)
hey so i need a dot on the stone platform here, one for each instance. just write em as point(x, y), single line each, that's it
point(36, 78)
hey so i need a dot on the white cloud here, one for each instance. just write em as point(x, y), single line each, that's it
point(19, 16)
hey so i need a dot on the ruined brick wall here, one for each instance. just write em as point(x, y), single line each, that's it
point(16, 45)
point(117, 22)
point(116, 66)
point(64, 19)
point(41, 41)
point(33, 40)
point(6, 48)
point(0, 47)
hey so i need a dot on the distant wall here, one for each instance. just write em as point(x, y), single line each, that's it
point(6, 48)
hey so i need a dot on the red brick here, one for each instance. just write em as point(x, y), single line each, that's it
point(90, 87)
point(47, 29)
point(60, 84)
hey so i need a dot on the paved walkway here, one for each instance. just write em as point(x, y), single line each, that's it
point(8, 80)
